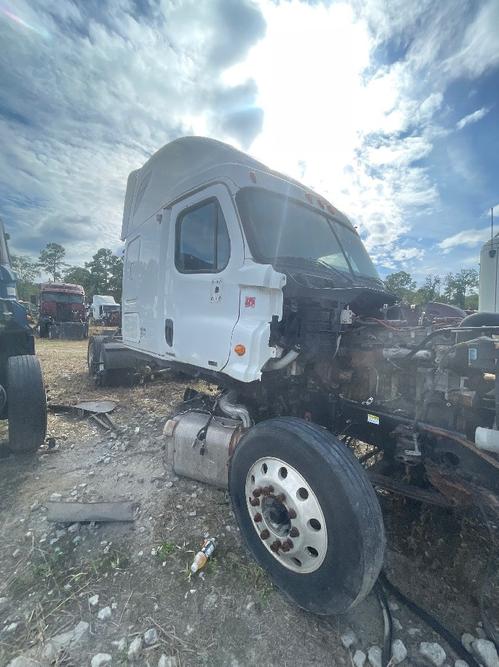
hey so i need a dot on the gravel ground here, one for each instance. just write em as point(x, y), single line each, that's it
point(121, 593)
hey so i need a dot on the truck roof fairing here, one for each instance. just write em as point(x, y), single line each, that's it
point(179, 167)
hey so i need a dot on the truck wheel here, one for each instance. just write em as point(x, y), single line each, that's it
point(94, 361)
point(27, 404)
point(308, 513)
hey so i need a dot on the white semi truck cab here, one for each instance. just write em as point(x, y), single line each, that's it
point(244, 277)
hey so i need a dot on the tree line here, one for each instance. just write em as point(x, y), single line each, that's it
point(458, 289)
point(101, 275)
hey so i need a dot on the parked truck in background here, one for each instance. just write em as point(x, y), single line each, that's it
point(104, 310)
point(62, 311)
point(22, 393)
point(489, 276)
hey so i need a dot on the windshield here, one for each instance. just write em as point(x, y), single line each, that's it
point(281, 228)
point(62, 297)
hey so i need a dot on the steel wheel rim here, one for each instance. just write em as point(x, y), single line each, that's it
point(286, 515)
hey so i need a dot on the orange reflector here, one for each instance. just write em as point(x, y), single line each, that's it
point(240, 350)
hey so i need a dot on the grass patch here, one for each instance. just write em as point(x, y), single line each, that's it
point(165, 549)
point(116, 560)
point(250, 574)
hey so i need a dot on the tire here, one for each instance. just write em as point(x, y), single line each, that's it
point(26, 404)
point(43, 330)
point(341, 516)
point(94, 349)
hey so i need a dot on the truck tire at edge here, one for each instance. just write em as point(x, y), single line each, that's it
point(26, 404)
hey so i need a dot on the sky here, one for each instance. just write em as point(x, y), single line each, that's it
point(389, 108)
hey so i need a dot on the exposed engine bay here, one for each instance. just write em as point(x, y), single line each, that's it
point(418, 384)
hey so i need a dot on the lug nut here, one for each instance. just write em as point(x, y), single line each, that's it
point(267, 490)
point(288, 544)
point(254, 502)
point(292, 514)
point(257, 518)
point(275, 546)
point(257, 492)
point(281, 497)
point(264, 535)
point(294, 532)
point(285, 547)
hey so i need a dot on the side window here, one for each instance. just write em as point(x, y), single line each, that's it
point(202, 243)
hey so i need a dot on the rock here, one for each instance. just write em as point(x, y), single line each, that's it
point(460, 663)
point(12, 627)
point(93, 601)
point(374, 656)
point(396, 623)
point(167, 661)
point(55, 497)
point(104, 614)
point(399, 652)
point(348, 638)
point(150, 636)
point(433, 652)
point(467, 640)
point(65, 640)
point(135, 648)
point(101, 659)
point(74, 528)
point(3, 602)
point(486, 652)
point(413, 632)
point(359, 658)
point(23, 661)
point(120, 644)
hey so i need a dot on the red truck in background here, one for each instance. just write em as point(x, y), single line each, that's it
point(63, 313)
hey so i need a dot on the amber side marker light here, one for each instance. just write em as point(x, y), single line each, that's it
point(240, 350)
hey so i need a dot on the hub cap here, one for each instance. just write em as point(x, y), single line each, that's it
point(286, 514)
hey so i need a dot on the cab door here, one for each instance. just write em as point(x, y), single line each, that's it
point(202, 299)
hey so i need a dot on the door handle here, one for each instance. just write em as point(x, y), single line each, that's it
point(169, 332)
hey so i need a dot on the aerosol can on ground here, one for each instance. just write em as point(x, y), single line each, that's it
point(201, 558)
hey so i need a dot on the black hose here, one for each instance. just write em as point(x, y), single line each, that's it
point(386, 653)
point(430, 620)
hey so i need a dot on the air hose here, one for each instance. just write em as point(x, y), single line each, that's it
point(425, 616)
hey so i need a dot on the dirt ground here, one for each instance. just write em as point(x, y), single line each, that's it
point(51, 575)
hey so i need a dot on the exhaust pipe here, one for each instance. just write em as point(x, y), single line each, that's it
point(234, 410)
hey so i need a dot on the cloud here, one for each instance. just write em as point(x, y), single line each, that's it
point(468, 238)
point(90, 94)
point(472, 117)
point(350, 97)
